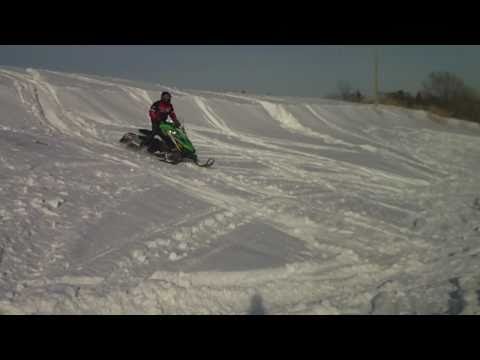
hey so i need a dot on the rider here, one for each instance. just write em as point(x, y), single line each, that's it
point(159, 113)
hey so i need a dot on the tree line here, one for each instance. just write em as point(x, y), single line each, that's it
point(442, 93)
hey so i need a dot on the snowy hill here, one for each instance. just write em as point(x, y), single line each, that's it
point(312, 207)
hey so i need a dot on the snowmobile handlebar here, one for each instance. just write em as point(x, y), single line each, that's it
point(181, 127)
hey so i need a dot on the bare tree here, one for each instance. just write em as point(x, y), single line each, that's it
point(449, 92)
point(345, 90)
point(445, 88)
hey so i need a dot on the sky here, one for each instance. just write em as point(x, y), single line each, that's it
point(288, 70)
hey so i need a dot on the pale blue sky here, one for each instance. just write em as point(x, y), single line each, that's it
point(303, 70)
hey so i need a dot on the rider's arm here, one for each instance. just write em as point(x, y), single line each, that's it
point(173, 116)
point(154, 112)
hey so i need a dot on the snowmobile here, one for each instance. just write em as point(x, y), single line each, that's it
point(184, 149)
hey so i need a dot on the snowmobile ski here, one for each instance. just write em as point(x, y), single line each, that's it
point(206, 164)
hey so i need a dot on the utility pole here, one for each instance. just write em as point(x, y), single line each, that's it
point(375, 80)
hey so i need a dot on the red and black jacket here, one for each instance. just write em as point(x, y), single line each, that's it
point(160, 111)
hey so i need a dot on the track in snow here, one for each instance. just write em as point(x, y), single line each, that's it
point(312, 207)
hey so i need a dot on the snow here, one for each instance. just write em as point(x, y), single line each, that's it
point(312, 207)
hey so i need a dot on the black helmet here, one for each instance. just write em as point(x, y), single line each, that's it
point(166, 96)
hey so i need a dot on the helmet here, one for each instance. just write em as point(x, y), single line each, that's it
point(166, 96)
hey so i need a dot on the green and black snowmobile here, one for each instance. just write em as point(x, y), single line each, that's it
point(184, 149)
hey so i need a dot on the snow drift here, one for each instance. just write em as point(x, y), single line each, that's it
point(312, 207)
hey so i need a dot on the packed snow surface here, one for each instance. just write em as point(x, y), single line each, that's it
point(312, 207)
